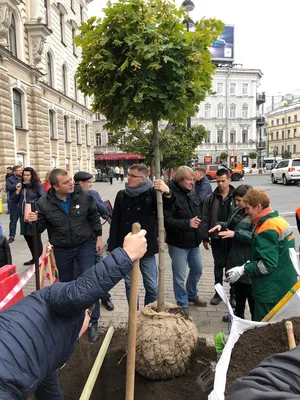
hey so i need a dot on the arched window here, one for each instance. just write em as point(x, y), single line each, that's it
point(64, 77)
point(220, 111)
point(207, 111)
point(51, 124)
point(73, 42)
point(49, 70)
point(245, 111)
point(13, 36)
point(17, 101)
point(87, 135)
point(66, 128)
point(232, 111)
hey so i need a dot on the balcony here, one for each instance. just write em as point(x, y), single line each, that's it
point(261, 145)
point(106, 149)
point(260, 121)
point(260, 98)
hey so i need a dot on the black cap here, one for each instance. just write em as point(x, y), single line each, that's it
point(82, 176)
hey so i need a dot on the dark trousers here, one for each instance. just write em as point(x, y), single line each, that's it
point(243, 292)
point(30, 241)
point(111, 180)
point(216, 247)
point(49, 388)
point(13, 220)
point(84, 255)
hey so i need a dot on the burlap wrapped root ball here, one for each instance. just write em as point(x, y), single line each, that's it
point(164, 343)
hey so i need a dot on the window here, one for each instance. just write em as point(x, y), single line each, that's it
point(97, 116)
point(207, 139)
point(232, 89)
point(245, 111)
point(271, 136)
point(81, 14)
point(244, 136)
point(62, 27)
point(294, 148)
point(72, 5)
point(52, 162)
point(277, 121)
point(78, 135)
point(74, 45)
point(219, 136)
point(289, 120)
point(295, 132)
point(220, 111)
point(46, 12)
point(17, 100)
point(282, 135)
point(288, 148)
point(289, 133)
point(87, 135)
point(220, 88)
point(64, 79)
point(98, 139)
point(232, 136)
point(272, 122)
point(49, 70)
point(13, 36)
point(295, 118)
point(75, 88)
point(207, 111)
point(109, 135)
point(282, 150)
point(232, 111)
point(282, 121)
point(66, 128)
point(245, 89)
point(277, 135)
point(51, 124)
point(86, 101)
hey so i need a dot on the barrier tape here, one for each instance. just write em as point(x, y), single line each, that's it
point(28, 274)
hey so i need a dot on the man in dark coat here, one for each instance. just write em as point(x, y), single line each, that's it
point(73, 223)
point(137, 203)
point(202, 184)
point(11, 183)
point(40, 332)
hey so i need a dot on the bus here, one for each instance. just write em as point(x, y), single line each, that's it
point(271, 162)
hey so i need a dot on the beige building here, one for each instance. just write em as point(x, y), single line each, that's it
point(45, 122)
point(284, 130)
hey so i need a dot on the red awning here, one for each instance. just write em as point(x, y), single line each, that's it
point(118, 156)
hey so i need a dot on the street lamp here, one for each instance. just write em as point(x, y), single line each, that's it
point(188, 6)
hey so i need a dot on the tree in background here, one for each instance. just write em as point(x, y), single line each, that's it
point(140, 64)
point(223, 156)
point(252, 156)
point(287, 154)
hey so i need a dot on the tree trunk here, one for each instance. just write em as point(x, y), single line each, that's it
point(160, 218)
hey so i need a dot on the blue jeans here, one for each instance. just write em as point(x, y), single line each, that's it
point(180, 258)
point(148, 269)
point(84, 255)
point(13, 220)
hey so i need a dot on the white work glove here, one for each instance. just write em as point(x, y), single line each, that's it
point(235, 273)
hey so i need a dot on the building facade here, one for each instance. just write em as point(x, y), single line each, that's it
point(45, 122)
point(284, 130)
point(231, 115)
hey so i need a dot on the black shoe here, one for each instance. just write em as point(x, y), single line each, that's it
point(225, 318)
point(94, 333)
point(11, 239)
point(30, 262)
point(232, 301)
point(215, 300)
point(108, 304)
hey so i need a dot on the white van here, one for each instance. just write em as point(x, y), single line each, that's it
point(271, 162)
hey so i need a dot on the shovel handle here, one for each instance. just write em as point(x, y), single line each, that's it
point(132, 323)
point(290, 334)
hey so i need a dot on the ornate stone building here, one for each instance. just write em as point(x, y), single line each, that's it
point(45, 122)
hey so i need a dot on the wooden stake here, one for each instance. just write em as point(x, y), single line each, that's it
point(90, 383)
point(132, 323)
point(290, 334)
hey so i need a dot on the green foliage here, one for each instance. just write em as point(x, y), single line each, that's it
point(286, 154)
point(252, 155)
point(177, 143)
point(223, 156)
point(140, 64)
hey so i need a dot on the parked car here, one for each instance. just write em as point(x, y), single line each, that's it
point(236, 174)
point(286, 171)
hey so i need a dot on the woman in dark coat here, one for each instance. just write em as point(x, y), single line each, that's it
point(27, 192)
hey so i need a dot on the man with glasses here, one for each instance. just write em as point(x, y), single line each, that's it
point(137, 203)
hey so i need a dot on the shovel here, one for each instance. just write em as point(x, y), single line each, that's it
point(290, 334)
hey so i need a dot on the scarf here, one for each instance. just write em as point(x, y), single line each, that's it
point(137, 190)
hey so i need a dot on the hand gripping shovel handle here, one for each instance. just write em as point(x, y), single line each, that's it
point(132, 322)
point(290, 334)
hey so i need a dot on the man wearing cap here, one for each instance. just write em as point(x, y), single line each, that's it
point(85, 180)
point(73, 223)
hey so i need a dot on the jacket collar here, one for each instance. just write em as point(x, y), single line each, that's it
point(266, 214)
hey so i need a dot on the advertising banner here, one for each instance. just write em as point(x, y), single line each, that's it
point(222, 49)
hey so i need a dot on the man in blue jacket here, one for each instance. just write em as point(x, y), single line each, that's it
point(11, 184)
point(202, 184)
point(40, 332)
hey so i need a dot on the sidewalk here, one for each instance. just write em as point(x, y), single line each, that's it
point(208, 320)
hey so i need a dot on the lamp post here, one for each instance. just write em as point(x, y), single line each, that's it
point(188, 6)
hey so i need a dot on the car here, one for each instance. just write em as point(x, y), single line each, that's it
point(219, 43)
point(286, 171)
point(236, 174)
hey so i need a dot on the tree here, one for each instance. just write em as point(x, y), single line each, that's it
point(252, 155)
point(223, 156)
point(140, 65)
point(171, 139)
point(287, 154)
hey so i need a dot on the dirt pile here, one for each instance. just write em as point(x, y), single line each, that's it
point(111, 380)
point(256, 344)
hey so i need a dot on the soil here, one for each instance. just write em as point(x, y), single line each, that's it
point(110, 384)
point(256, 344)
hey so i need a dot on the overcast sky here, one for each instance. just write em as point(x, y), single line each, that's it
point(267, 37)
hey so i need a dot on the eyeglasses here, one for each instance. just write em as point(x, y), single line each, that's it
point(135, 176)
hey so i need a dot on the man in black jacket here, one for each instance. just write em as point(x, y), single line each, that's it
point(202, 184)
point(218, 207)
point(71, 218)
point(40, 332)
point(137, 203)
point(11, 183)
